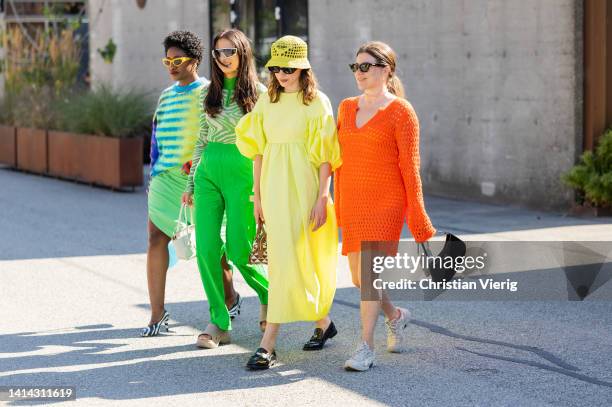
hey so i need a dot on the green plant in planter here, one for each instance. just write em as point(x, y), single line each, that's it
point(39, 69)
point(5, 112)
point(107, 112)
point(592, 176)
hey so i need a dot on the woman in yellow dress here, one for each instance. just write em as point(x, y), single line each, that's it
point(291, 136)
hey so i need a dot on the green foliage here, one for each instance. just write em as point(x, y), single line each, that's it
point(5, 112)
point(108, 52)
point(56, 13)
point(39, 68)
point(592, 177)
point(107, 112)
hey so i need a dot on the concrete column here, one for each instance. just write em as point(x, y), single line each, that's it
point(138, 34)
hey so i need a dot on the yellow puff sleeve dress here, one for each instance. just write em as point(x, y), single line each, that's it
point(294, 140)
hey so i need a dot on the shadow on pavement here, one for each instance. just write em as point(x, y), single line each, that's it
point(211, 371)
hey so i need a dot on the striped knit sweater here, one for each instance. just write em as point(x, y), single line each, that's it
point(176, 126)
point(218, 129)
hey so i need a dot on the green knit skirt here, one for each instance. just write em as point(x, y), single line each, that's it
point(165, 192)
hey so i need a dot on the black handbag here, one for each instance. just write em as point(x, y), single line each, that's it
point(453, 247)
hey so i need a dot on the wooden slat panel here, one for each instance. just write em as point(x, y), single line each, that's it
point(594, 70)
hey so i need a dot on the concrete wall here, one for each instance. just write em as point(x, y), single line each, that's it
point(497, 86)
point(138, 34)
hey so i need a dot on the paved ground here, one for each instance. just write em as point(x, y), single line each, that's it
point(73, 295)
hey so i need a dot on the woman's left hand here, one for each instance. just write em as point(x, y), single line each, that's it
point(318, 215)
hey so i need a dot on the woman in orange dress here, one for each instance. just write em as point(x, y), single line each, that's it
point(378, 186)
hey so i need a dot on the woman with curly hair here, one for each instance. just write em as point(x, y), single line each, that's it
point(176, 124)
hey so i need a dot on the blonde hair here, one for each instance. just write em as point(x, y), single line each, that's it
point(384, 54)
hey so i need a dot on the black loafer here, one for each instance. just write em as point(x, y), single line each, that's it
point(262, 360)
point(319, 338)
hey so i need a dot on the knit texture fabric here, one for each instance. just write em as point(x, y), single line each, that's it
point(176, 124)
point(378, 186)
point(290, 52)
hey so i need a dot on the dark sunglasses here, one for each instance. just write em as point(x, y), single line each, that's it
point(364, 66)
point(226, 52)
point(277, 69)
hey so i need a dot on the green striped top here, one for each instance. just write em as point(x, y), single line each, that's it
point(176, 123)
point(219, 129)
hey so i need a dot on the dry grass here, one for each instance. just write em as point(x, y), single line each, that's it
point(38, 71)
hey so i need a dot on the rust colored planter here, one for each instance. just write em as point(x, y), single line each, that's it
point(107, 161)
point(32, 150)
point(113, 162)
point(66, 153)
point(8, 145)
point(588, 211)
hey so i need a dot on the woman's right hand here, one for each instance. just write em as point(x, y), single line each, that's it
point(187, 199)
point(258, 211)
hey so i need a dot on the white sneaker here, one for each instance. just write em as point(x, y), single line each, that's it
point(362, 360)
point(396, 331)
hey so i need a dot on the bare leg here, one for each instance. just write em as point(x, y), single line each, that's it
point(323, 323)
point(369, 310)
point(268, 342)
point(157, 267)
point(354, 259)
point(228, 283)
point(390, 310)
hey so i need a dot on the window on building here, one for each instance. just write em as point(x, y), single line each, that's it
point(263, 21)
point(36, 16)
point(219, 16)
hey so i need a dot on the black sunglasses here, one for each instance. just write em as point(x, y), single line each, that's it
point(364, 66)
point(226, 52)
point(277, 69)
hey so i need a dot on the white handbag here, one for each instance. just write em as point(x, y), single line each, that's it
point(184, 235)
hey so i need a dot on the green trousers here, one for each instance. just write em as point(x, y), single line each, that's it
point(223, 182)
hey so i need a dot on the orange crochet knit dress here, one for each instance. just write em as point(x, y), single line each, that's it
point(378, 185)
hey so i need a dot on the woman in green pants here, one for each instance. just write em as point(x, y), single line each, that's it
point(221, 181)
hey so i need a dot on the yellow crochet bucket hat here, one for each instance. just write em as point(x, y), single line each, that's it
point(289, 52)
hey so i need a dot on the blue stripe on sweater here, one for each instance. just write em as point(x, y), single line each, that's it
point(169, 138)
point(169, 129)
point(178, 102)
point(171, 111)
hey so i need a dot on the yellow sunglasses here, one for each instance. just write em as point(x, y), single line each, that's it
point(175, 61)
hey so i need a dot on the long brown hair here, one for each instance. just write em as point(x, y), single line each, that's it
point(245, 93)
point(308, 87)
point(384, 54)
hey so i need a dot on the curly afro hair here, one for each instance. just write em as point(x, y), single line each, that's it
point(188, 42)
